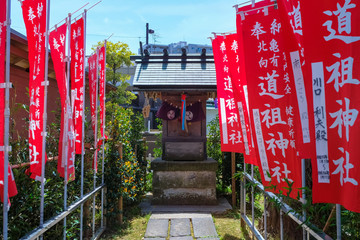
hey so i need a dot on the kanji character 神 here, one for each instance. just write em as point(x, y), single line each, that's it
point(346, 118)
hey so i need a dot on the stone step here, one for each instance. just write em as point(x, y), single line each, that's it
point(157, 228)
point(180, 227)
point(183, 226)
point(204, 227)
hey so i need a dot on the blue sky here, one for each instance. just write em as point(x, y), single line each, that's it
point(172, 20)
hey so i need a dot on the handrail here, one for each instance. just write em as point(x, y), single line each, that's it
point(288, 210)
point(37, 232)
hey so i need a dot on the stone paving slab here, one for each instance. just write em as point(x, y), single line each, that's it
point(154, 238)
point(178, 215)
point(208, 239)
point(182, 238)
point(157, 228)
point(204, 227)
point(180, 227)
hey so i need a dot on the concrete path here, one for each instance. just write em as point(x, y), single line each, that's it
point(181, 226)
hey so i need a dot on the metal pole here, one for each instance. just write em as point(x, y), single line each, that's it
point(46, 82)
point(103, 144)
point(83, 134)
point(147, 34)
point(265, 218)
point(7, 116)
point(303, 193)
point(281, 222)
point(252, 199)
point(338, 221)
point(244, 189)
point(233, 188)
point(66, 117)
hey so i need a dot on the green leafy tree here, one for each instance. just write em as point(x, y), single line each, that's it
point(117, 56)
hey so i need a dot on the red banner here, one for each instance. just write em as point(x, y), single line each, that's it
point(230, 130)
point(77, 79)
point(332, 52)
point(102, 82)
point(272, 98)
point(12, 190)
point(93, 89)
point(34, 14)
point(57, 40)
point(233, 49)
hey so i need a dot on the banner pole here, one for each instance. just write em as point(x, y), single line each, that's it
point(83, 132)
point(103, 145)
point(95, 133)
point(46, 82)
point(244, 189)
point(252, 199)
point(7, 116)
point(303, 193)
point(66, 118)
point(338, 221)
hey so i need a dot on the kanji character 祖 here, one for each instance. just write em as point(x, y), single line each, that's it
point(275, 117)
point(346, 72)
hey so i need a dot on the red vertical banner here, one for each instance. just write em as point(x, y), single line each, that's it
point(93, 89)
point(332, 55)
point(77, 83)
point(34, 14)
point(102, 82)
point(57, 40)
point(12, 190)
point(230, 130)
point(233, 49)
point(2, 89)
point(272, 99)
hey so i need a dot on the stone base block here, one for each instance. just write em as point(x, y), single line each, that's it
point(184, 182)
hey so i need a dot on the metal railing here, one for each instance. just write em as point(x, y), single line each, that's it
point(39, 231)
point(284, 209)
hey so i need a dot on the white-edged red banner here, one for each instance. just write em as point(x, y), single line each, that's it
point(230, 130)
point(238, 77)
point(57, 40)
point(102, 82)
point(332, 53)
point(34, 14)
point(272, 98)
point(77, 79)
point(93, 90)
point(12, 190)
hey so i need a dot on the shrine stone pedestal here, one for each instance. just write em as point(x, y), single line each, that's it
point(184, 182)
